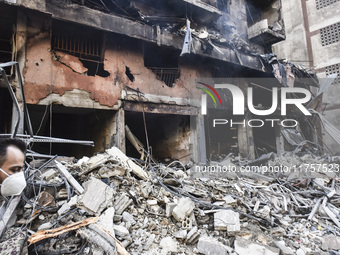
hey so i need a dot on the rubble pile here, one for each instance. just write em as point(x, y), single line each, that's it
point(112, 204)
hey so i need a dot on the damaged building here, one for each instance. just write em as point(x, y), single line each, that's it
point(312, 38)
point(124, 73)
point(121, 101)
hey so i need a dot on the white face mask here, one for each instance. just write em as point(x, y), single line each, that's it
point(14, 184)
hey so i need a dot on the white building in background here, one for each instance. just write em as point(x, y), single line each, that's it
point(313, 40)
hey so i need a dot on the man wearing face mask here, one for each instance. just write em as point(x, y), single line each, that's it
point(12, 183)
point(12, 158)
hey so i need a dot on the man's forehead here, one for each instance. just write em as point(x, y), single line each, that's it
point(13, 151)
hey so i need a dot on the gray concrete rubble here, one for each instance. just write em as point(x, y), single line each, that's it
point(96, 198)
point(227, 220)
point(208, 245)
point(183, 209)
point(245, 247)
point(284, 213)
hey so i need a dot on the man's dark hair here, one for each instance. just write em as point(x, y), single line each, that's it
point(5, 143)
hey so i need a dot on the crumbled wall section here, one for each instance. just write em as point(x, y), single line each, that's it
point(48, 72)
point(118, 58)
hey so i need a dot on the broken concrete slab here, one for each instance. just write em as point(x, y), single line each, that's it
point(105, 220)
point(183, 209)
point(116, 153)
point(229, 201)
point(97, 196)
point(209, 245)
point(49, 174)
point(62, 169)
point(331, 242)
point(246, 247)
point(192, 236)
point(300, 252)
point(94, 162)
point(285, 250)
point(64, 209)
point(149, 242)
point(46, 225)
point(180, 234)
point(169, 245)
point(127, 217)
point(227, 220)
point(110, 170)
point(169, 208)
point(121, 203)
point(121, 230)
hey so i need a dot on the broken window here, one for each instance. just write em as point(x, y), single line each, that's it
point(70, 123)
point(7, 39)
point(334, 69)
point(324, 3)
point(163, 62)
point(330, 34)
point(83, 42)
point(80, 41)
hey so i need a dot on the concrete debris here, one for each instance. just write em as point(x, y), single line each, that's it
point(284, 213)
point(63, 209)
point(283, 248)
point(331, 242)
point(121, 203)
point(169, 245)
point(127, 217)
point(181, 234)
point(246, 247)
point(227, 220)
point(79, 189)
point(183, 209)
point(49, 174)
point(121, 230)
point(169, 209)
point(192, 236)
point(105, 221)
point(137, 170)
point(208, 246)
point(96, 198)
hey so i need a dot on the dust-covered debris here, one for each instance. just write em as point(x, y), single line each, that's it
point(163, 209)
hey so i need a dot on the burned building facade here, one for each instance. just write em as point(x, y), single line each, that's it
point(107, 71)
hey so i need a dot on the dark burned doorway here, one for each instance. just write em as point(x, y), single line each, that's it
point(71, 123)
point(221, 139)
point(264, 136)
point(6, 107)
point(168, 135)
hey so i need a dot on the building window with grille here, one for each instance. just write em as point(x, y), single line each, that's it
point(80, 41)
point(163, 62)
point(324, 3)
point(83, 42)
point(334, 69)
point(330, 34)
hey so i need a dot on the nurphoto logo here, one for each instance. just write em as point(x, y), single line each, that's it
point(239, 99)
